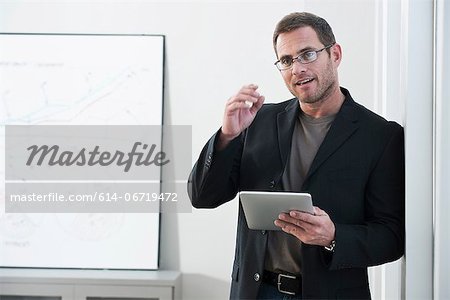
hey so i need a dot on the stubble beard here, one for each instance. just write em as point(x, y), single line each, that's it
point(324, 90)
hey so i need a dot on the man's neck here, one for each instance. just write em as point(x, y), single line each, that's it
point(325, 107)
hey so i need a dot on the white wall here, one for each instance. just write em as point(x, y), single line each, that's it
point(442, 205)
point(212, 49)
point(418, 92)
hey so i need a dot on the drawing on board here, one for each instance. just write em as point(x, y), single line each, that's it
point(57, 79)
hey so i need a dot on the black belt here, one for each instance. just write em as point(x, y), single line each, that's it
point(285, 283)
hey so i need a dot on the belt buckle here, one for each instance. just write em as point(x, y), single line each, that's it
point(279, 283)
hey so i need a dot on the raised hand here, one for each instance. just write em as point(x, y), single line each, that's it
point(240, 111)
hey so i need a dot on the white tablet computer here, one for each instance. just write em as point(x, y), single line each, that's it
point(261, 209)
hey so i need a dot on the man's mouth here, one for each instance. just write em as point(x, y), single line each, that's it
point(304, 81)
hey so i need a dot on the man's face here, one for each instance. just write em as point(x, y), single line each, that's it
point(315, 81)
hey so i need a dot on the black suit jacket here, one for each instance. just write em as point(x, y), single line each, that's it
point(357, 177)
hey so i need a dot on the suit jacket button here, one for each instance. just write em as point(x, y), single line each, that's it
point(272, 184)
point(263, 232)
point(256, 276)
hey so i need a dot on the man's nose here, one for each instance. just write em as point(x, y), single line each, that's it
point(298, 67)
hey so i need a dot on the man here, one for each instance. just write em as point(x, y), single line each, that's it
point(322, 142)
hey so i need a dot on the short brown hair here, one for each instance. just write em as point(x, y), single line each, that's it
point(304, 19)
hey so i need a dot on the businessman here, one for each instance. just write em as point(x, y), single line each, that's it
point(322, 142)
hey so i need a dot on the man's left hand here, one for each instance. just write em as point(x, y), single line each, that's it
point(317, 229)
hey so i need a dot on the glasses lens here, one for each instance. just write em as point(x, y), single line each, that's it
point(285, 63)
point(308, 56)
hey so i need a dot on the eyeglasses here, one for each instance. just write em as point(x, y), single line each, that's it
point(286, 62)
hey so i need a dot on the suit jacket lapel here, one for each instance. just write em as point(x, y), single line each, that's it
point(344, 125)
point(286, 121)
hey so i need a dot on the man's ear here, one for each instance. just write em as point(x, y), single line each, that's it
point(336, 53)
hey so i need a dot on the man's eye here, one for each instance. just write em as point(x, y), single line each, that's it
point(309, 55)
point(286, 61)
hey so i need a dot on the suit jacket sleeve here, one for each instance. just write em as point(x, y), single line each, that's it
point(215, 176)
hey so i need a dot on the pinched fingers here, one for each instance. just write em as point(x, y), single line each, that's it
point(245, 98)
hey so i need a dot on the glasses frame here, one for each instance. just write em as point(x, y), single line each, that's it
point(299, 58)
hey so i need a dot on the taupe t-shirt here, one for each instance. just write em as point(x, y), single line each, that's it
point(283, 250)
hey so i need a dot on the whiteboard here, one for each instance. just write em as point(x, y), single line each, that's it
point(76, 79)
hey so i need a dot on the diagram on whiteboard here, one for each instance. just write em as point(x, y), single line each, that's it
point(90, 226)
point(79, 80)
